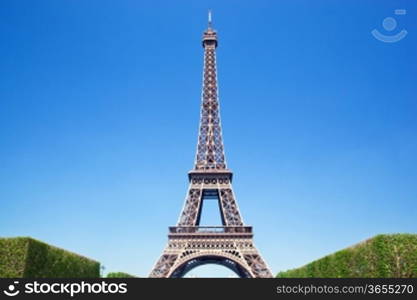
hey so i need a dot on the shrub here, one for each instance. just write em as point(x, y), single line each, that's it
point(383, 256)
point(25, 257)
point(119, 275)
point(13, 254)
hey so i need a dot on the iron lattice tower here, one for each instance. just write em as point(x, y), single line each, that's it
point(189, 244)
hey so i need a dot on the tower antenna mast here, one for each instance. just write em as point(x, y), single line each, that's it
point(209, 18)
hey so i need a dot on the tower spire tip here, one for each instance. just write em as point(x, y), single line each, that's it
point(209, 18)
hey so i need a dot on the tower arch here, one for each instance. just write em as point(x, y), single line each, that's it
point(191, 263)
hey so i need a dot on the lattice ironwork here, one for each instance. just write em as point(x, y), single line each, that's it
point(257, 265)
point(190, 213)
point(229, 207)
point(210, 152)
point(189, 244)
point(163, 266)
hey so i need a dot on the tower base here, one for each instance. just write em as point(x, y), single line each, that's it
point(192, 246)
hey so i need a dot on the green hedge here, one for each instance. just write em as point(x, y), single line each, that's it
point(383, 256)
point(25, 257)
point(119, 275)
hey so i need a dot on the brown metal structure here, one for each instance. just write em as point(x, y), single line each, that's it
point(190, 244)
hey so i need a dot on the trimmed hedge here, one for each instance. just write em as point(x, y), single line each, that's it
point(383, 256)
point(119, 275)
point(24, 257)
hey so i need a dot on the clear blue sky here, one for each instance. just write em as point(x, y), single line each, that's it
point(99, 116)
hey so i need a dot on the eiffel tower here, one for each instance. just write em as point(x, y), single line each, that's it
point(189, 244)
